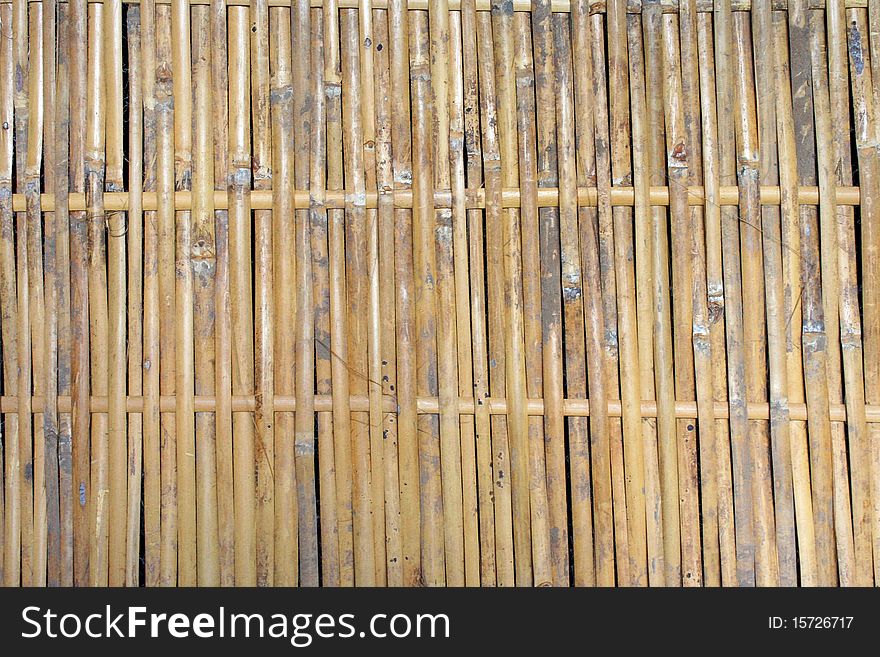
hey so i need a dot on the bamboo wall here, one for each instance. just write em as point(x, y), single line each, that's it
point(377, 292)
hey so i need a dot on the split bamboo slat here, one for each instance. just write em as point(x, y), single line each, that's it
point(439, 292)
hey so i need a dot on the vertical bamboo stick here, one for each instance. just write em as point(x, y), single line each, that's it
point(184, 382)
point(476, 244)
point(447, 361)
point(678, 155)
point(8, 309)
point(425, 276)
point(135, 273)
point(426, 328)
point(668, 447)
point(754, 333)
point(35, 573)
point(117, 296)
point(374, 350)
point(308, 332)
point(51, 273)
point(353, 252)
point(204, 264)
point(722, 474)
point(404, 276)
point(547, 250)
point(332, 236)
point(514, 362)
point(614, 167)
point(644, 292)
point(495, 318)
point(223, 326)
point(700, 328)
point(63, 281)
point(630, 548)
point(387, 293)
point(167, 293)
point(264, 418)
point(771, 236)
point(284, 242)
point(240, 287)
point(733, 307)
point(813, 335)
point(811, 572)
point(457, 146)
point(833, 142)
point(23, 569)
point(151, 357)
point(526, 117)
point(98, 293)
point(827, 259)
point(589, 455)
point(865, 131)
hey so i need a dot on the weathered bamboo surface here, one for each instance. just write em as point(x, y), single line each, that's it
point(439, 292)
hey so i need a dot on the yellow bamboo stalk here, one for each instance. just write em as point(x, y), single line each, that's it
point(241, 302)
point(644, 286)
point(117, 296)
point(135, 273)
point(8, 307)
point(151, 356)
point(264, 418)
point(495, 311)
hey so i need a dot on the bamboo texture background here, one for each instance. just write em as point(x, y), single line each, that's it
point(378, 292)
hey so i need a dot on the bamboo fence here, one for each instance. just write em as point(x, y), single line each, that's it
point(440, 292)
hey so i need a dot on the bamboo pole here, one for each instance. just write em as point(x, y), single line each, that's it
point(546, 251)
point(526, 117)
point(339, 535)
point(223, 328)
point(494, 311)
point(741, 456)
point(151, 363)
point(404, 277)
point(792, 270)
point(457, 147)
point(771, 238)
point(863, 108)
point(203, 256)
point(629, 548)
point(374, 349)
point(353, 251)
point(184, 382)
point(51, 424)
point(589, 455)
point(388, 320)
point(335, 337)
point(240, 294)
point(445, 298)
point(845, 519)
point(8, 312)
point(645, 322)
point(835, 160)
point(613, 136)
point(135, 310)
point(478, 334)
point(813, 336)
point(263, 298)
point(667, 440)
point(286, 513)
point(117, 297)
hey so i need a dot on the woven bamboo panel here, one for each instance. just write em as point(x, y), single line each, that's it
point(440, 292)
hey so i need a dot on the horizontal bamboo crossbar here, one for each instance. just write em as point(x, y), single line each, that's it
point(474, 198)
point(431, 406)
point(596, 6)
